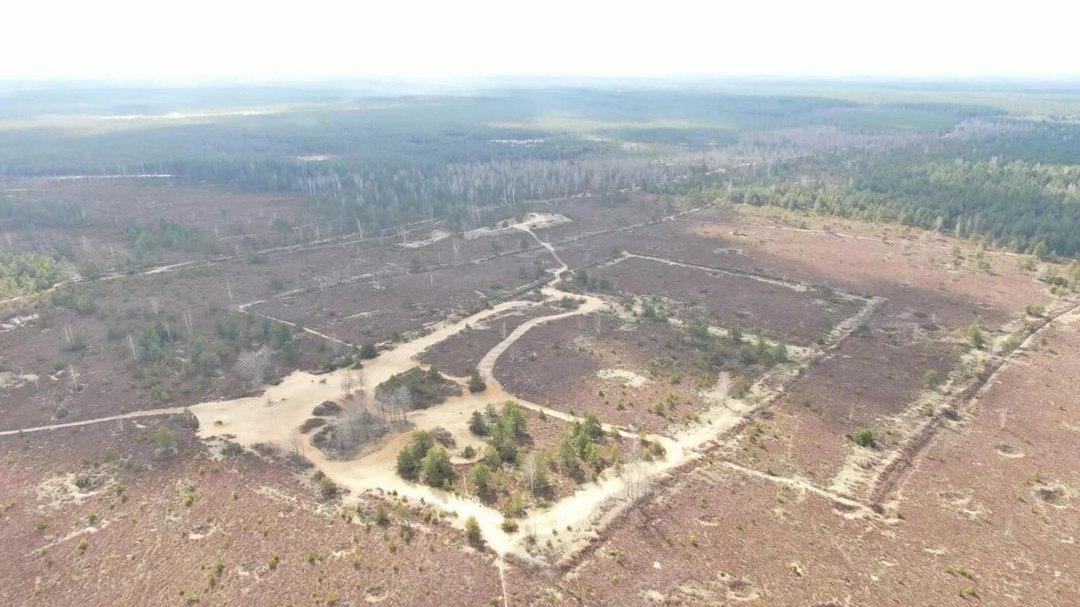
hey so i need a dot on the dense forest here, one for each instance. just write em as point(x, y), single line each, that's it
point(1016, 185)
point(377, 161)
point(374, 160)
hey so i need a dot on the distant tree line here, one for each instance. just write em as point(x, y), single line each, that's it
point(998, 187)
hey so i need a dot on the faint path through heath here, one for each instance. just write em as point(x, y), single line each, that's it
point(97, 420)
point(275, 417)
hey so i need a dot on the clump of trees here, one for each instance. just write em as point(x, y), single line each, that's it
point(353, 430)
point(1015, 189)
point(27, 273)
point(506, 461)
point(167, 354)
point(587, 447)
point(423, 460)
point(584, 282)
point(508, 471)
point(76, 300)
point(424, 389)
point(505, 429)
point(733, 351)
point(40, 214)
point(170, 236)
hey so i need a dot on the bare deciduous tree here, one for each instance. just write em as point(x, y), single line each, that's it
point(356, 428)
point(632, 470)
point(75, 386)
point(252, 366)
point(723, 386)
point(534, 472)
point(399, 400)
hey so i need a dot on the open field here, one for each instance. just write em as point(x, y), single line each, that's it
point(966, 533)
point(652, 347)
point(254, 530)
point(571, 373)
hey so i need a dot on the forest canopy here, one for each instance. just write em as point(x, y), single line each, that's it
point(987, 187)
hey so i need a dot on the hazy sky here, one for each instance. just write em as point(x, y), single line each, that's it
point(267, 39)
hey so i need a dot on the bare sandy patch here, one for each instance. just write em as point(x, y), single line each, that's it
point(627, 377)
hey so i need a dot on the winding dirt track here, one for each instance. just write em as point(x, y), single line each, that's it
point(275, 416)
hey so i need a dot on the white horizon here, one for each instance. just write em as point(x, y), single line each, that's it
point(421, 40)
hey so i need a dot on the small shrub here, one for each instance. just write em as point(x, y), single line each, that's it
point(478, 425)
point(864, 437)
point(481, 477)
point(326, 408)
point(327, 488)
point(654, 450)
point(382, 517)
point(1011, 342)
point(476, 383)
point(438, 471)
point(299, 460)
point(311, 423)
point(164, 442)
point(740, 387)
point(443, 436)
point(513, 506)
point(975, 336)
point(472, 530)
point(232, 449)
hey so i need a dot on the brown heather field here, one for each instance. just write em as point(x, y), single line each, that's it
point(965, 493)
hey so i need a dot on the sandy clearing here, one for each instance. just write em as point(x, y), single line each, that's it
point(634, 380)
point(532, 221)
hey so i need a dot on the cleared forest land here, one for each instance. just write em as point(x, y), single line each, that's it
point(566, 347)
point(791, 411)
